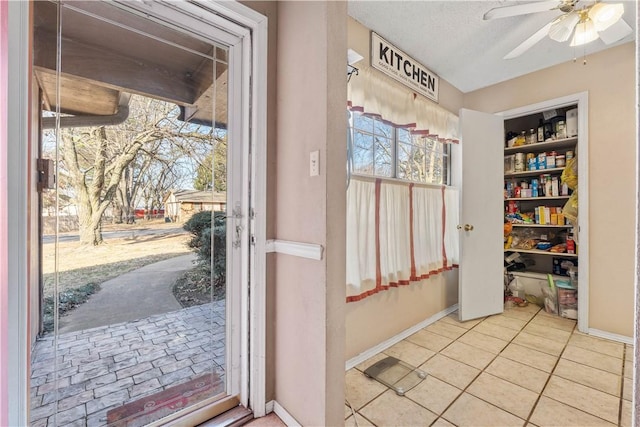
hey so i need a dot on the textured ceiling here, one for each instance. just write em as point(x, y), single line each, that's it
point(452, 40)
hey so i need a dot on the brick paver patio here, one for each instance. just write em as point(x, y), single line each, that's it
point(103, 368)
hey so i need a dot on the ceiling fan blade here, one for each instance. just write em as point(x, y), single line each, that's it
point(616, 32)
point(528, 43)
point(522, 9)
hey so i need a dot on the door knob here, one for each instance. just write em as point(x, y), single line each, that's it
point(467, 227)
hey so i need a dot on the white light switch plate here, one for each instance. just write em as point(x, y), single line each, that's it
point(314, 163)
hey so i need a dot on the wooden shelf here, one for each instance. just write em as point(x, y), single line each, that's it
point(539, 147)
point(533, 173)
point(542, 225)
point(537, 198)
point(539, 252)
point(536, 275)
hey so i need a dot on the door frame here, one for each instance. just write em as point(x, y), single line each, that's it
point(240, 21)
point(580, 99)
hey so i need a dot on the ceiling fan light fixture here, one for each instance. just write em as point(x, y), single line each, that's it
point(562, 28)
point(585, 33)
point(605, 15)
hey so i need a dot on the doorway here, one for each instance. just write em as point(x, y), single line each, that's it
point(216, 117)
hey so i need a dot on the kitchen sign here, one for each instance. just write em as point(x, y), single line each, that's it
point(401, 67)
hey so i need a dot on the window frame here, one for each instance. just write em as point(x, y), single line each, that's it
point(445, 152)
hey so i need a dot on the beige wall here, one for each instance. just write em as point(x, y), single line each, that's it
point(449, 97)
point(382, 316)
point(308, 295)
point(610, 79)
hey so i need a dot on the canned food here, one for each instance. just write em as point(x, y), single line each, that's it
point(569, 155)
point(560, 161)
point(542, 161)
point(519, 166)
point(551, 160)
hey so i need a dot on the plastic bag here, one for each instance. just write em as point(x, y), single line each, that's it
point(570, 177)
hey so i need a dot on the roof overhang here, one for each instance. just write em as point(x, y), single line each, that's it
point(122, 52)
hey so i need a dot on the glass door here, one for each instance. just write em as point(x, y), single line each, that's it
point(143, 225)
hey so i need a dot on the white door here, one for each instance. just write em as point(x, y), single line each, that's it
point(190, 113)
point(480, 282)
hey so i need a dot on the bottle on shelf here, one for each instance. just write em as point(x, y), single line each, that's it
point(554, 187)
point(548, 186)
point(571, 244)
point(540, 134)
point(548, 130)
point(532, 138)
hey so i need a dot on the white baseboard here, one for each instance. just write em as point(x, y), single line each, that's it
point(273, 406)
point(609, 336)
point(268, 407)
point(399, 337)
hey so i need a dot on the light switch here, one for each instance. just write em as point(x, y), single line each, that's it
point(314, 163)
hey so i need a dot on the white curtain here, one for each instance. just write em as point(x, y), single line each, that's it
point(416, 235)
point(427, 230)
point(361, 237)
point(395, 244)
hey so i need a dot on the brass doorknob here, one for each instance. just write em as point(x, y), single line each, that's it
point(468, 227)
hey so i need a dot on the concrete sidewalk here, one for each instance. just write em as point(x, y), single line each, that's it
point(135, 295)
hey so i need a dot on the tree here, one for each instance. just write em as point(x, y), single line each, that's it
point(97, 160)
point(158, 180)
point(215, 161)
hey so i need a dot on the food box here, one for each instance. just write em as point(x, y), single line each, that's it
point(561, 265)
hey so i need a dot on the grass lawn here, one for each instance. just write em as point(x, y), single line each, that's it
point(80, 265)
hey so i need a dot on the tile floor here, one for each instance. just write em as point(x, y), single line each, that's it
point(522, 367)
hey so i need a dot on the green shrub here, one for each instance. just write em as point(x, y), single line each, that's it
point(199, 225)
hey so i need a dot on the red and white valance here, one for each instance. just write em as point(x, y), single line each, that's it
point(372, 93)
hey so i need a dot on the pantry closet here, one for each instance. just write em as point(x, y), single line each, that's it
point(546, 207)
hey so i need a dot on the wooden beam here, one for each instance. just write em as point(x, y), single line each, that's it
point(120, 72)
point(77, 96)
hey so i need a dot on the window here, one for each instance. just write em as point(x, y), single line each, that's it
point(381, 149)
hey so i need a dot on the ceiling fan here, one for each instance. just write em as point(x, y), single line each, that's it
point(590, 22)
